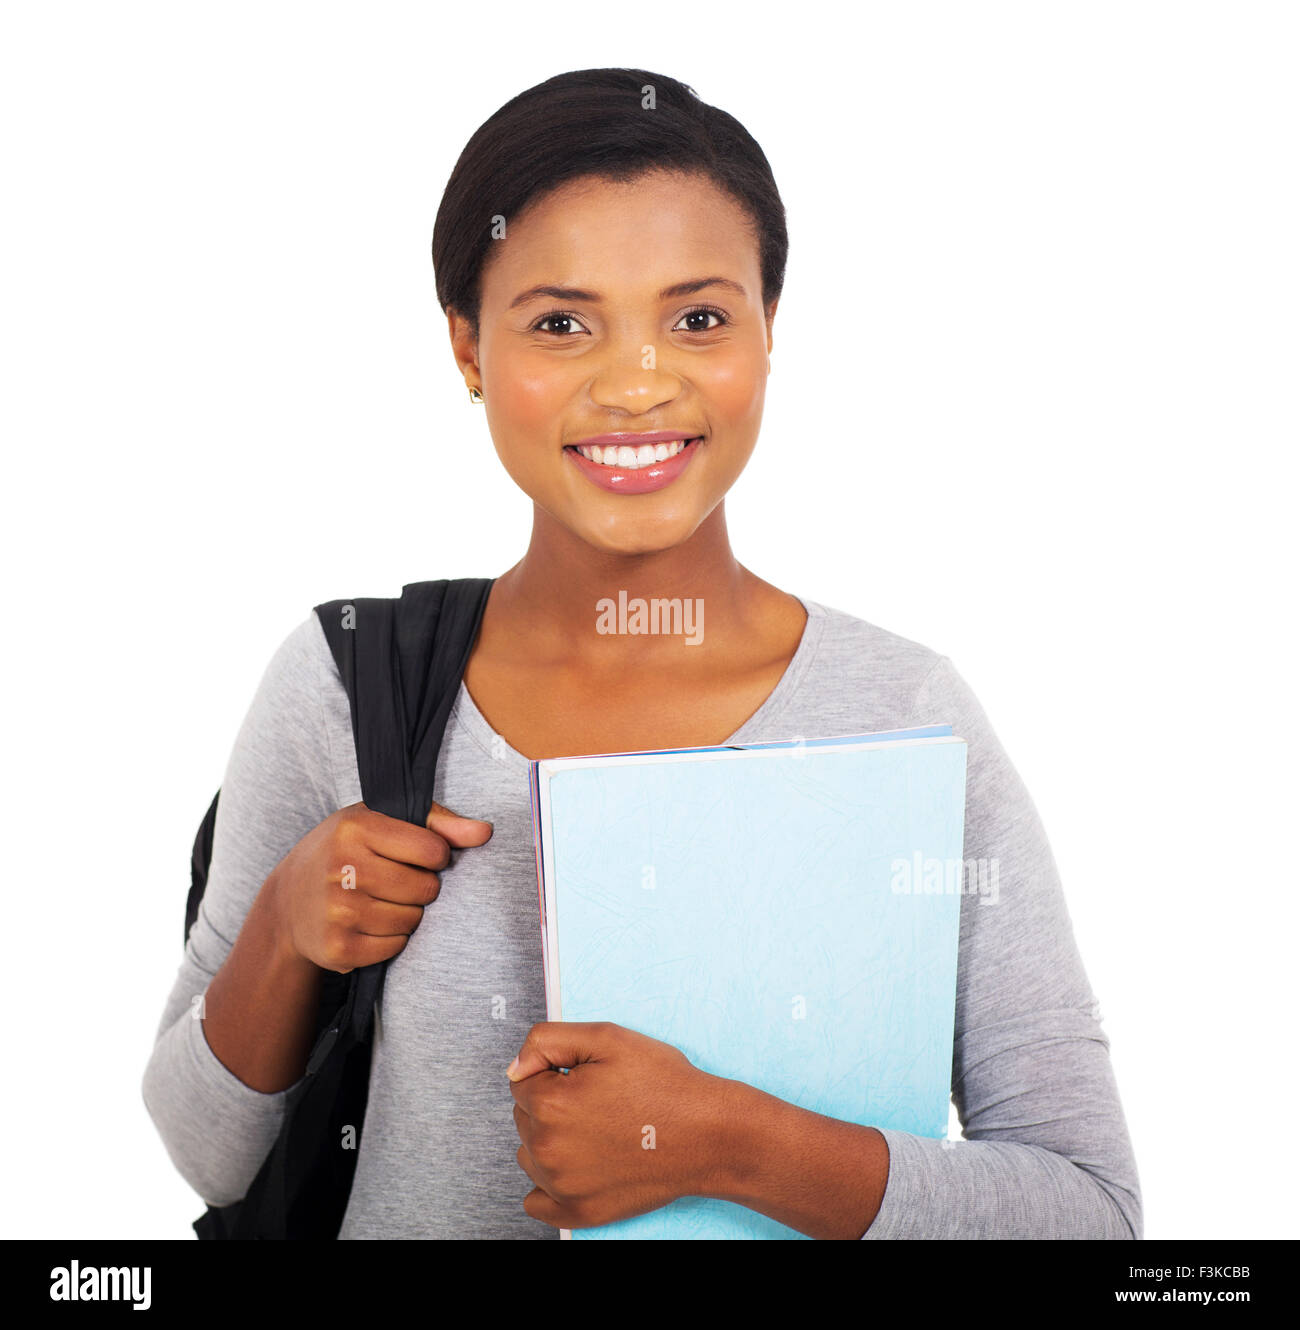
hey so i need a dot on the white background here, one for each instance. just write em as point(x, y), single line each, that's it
point(1033, 403)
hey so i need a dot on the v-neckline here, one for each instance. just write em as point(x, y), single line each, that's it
point(466, 713)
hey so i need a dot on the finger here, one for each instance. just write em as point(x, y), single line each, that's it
point(525, 1161)
point(395, 839)
point(384, 919)
point(363, 950)
point(401, 884)
point(461, 832)
point(554, 1044)
point(540, 1206)
point(526, 1090)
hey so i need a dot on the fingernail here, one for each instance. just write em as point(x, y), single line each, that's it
point(512, 1068)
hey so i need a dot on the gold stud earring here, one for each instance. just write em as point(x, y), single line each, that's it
point(474, 395)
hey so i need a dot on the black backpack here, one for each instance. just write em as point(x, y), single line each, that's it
point(401, 660)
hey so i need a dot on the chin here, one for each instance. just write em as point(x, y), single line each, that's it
point(630, 537)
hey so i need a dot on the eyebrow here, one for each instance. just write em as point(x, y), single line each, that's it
point(591, 297)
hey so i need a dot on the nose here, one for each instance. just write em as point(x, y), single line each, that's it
point(631, 379)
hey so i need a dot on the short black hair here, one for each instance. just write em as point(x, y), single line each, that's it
point(595, 122)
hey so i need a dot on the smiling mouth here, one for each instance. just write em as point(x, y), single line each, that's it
point(627, 458)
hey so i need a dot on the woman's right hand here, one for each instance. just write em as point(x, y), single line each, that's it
point(353, 889)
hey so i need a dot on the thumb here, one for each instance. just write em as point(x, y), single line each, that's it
point(456, 830)
point(559, 1044)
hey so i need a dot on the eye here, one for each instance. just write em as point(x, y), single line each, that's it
point(698, 319)
point(566, 324)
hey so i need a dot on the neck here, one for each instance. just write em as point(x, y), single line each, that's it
point(550, 597)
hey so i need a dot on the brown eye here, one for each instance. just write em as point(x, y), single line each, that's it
point(559, 324)
point(697, 320)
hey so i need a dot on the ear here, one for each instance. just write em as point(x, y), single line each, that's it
point(464, 346)
point(771, 315)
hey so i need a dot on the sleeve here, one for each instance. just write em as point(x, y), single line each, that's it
point(278, 785)
point(1046, 1152)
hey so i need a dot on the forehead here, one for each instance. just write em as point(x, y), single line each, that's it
point(628, 236)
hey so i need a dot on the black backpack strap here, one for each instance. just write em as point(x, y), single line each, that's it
point(200, 859)
point(401, 661)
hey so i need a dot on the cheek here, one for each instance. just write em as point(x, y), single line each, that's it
point(523, 416)
point(735, 386)
point(528, 397)
point(523, 388)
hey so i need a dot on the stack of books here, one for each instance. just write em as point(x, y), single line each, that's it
point(786, 914)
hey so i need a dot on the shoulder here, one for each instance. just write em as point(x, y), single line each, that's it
point(858, 651)
point(300, 698)
point(295, 740)
point(300, 662)
point(909, 682)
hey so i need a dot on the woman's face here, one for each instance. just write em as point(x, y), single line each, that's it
point(612, 311)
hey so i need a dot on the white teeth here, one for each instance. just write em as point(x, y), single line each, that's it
point(632, 459)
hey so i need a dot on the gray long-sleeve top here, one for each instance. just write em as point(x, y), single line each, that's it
point(1046, 1152)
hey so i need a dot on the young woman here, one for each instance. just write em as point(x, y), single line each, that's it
point(609, 252)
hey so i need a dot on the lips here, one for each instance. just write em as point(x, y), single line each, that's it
point(633, 463)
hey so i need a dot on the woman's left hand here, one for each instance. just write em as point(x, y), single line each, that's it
point(632, 1126)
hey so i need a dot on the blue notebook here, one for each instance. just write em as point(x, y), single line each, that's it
point(785, 913)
